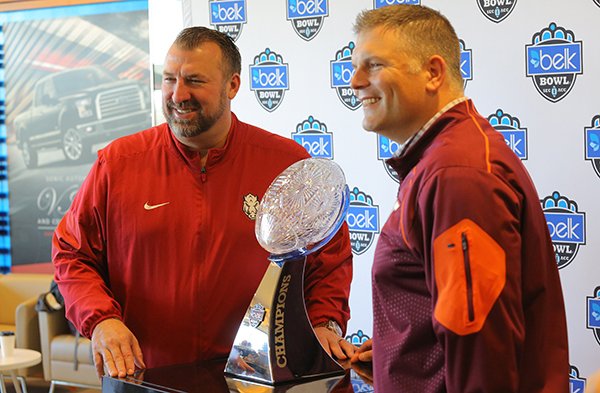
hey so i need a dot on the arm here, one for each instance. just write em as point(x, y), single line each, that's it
point(81, 272)
point(327, 288)
point(472, 251)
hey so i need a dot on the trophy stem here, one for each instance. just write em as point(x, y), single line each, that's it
point(276, 342)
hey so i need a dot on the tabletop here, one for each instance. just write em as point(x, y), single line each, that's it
point(20, 358)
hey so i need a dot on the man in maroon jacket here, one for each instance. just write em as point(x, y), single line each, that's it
point(157, 258)
point(466, 291)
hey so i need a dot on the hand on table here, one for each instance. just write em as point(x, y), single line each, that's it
point(362, 361)
point(116, 350)
point(335, 345)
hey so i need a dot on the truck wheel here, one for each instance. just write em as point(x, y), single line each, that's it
point(30, 155)
point(73, 146)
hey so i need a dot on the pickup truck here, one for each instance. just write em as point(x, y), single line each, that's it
point(74, 109)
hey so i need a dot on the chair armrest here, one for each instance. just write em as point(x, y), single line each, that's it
point(27, 326)
point(52, 324)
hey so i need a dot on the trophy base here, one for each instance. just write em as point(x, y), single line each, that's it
point(276, 343)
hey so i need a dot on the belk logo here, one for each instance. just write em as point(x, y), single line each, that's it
point(592, 144)
point(313, 136)
point(496, 10)
point(593, 313)
point(363, 221)
point(341, 74)
point(269, 79)
point(576, 383)
point(514, 136)
point(357, 338)
point(257, 315)
point(383, 3)
point(307, 16)
point(466, 63)
point(359, 385)
point(250, 206)
point(566, 225)
point(385, 150)
point(228, 16)
point(554, 59)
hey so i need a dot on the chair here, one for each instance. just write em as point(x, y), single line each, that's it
point(66, 359)
point(19, 293)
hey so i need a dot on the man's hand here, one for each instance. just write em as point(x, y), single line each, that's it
point(335, 345)
point(364, 353)
point(115, 349)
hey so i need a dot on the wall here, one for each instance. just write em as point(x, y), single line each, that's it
point(556, 131)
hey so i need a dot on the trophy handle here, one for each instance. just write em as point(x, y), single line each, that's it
point(276, 342)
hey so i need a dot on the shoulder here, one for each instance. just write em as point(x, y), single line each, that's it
point(264, 142)
point(135, 144)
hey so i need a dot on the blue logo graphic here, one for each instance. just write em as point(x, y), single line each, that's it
point(593, 313)
point(363, 221)
point(496, 10)
point(385, 150)
point(341, 75)
point(554, 60)
point(592, 144)
point(228, 16)
point(566, 225)
point(358, 385)
point(313, 136)
point(307, 16)
point(269, 79)
point(357, 338)
point(383, 3)
point(466, 63)
point(514, 136)
point(576, 383)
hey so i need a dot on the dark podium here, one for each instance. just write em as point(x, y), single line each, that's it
point(208, 377)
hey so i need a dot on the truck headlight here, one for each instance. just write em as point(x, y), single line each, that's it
point(84, 107)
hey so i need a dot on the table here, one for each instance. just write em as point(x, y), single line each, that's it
point(19, 359)
point(208, 376)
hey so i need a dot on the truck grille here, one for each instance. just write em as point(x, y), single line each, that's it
point(119, 102)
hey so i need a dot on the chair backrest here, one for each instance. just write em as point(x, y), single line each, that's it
point(15, 288)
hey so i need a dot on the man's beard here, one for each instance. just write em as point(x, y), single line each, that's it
point(192, 127)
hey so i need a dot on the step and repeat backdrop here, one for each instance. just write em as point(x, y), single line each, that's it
point(532, 67)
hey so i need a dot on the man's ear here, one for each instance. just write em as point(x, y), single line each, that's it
point(436, 72)
point(233, 86)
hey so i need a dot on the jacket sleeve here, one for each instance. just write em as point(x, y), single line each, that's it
point(327, 281)
point(78, 255)
point(472, 253)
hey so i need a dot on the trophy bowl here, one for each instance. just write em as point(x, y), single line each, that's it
point(302, 209)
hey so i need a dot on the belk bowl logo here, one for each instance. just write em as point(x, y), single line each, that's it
point(593, 313)
point(496, 10)
point(514, 136)
point(313, 136)
point(358, 338)
point(566, 225)
point(269, 79)
point(307, 16)
point(383, 3)
point(385, 150)
point(466, 63)
point(576, 383)
point(592, 144)
point(554, 60)
point(363, 221)
point(358, 385)
point(228, 16)
point(341, 74)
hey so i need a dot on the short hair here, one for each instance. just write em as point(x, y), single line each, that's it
point(424, 32)
point(193, 37)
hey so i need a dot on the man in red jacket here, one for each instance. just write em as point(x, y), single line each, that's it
point(157, 258)
point(466, 291)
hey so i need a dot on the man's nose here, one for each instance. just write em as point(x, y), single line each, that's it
point(181, 92)
point(358, 79)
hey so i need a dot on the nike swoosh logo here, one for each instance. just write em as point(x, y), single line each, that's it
point(151, 207)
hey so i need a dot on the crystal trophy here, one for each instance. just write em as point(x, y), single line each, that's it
point(301, 211)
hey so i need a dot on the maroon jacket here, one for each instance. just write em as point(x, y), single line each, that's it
point(167, 246)
point(466, 291)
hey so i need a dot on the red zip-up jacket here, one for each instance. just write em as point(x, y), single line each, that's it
point(167, 246)
point(466, 291)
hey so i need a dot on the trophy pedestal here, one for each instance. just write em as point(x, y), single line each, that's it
point(276, 342)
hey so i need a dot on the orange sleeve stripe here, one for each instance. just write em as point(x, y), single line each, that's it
point(485, 138)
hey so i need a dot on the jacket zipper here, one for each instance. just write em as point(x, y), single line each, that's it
point(203, 174)
point(467, 261)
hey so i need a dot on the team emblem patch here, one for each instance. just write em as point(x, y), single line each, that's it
point(496, 10)
point(250, 206)
point(228, 16)
point(554, 59)
point(257, 315)
point(307, 16)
